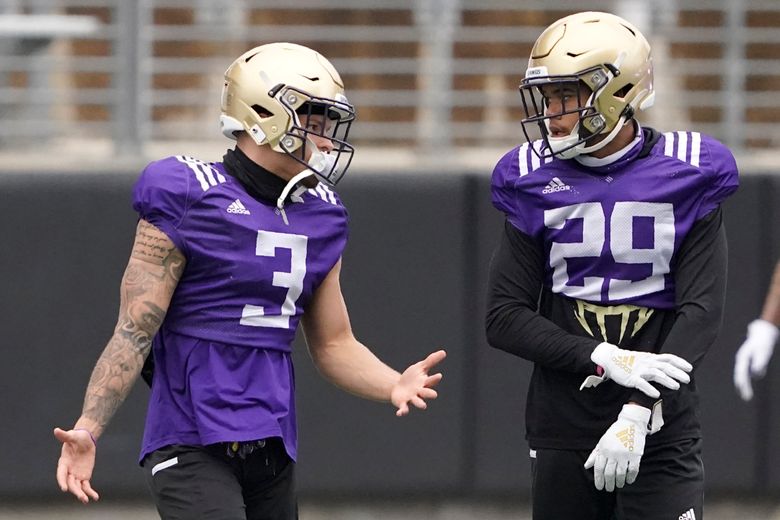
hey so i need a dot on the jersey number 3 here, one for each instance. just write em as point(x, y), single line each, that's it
point(620, 245)
point(267, 243)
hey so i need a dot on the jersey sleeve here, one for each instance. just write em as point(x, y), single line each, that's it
point(504, 190)
point(723, 175)
point(512, 321)
point(161, 196)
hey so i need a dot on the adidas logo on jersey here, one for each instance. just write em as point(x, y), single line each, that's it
point(625, 362)
point(688, 515)
point(237, 207)
point(626, 437)
point(556, 185)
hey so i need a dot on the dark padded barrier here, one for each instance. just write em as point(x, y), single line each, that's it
point(402, 279)
point(66, 240)
point(502, 463)
point(728, 423)
point(414, 279)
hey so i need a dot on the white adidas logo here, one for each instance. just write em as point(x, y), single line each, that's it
point(688, 515)
point(237, 207)
point(555, 185)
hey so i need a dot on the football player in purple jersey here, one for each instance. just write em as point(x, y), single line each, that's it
point(756, 351)
point(226, 259)
point(610, 277)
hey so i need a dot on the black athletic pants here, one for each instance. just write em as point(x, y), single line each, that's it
point(670, 486)
point(226, 481)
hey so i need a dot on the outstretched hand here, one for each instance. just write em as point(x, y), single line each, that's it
point(77, 460)
point(415, 385)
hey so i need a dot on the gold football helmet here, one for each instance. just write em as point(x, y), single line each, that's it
point(271, 89)
point(607, 54)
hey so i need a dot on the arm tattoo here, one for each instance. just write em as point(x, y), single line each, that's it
point(154, 270)
point(153, 246)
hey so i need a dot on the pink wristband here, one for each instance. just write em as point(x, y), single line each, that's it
point(88, 432)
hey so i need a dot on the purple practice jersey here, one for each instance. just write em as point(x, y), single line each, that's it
point(611, 233)
point(223, 366)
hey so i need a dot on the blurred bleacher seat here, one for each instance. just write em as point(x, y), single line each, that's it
point(430, 79)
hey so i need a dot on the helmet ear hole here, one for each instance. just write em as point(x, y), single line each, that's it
point(262, 112)
point(623, 92)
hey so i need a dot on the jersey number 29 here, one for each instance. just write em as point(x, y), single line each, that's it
point(620, 246)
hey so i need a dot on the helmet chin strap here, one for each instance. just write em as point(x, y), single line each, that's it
point(604, 142)
point(566, 144)
point(290, 185)
point(319, 163)
point(571, 150)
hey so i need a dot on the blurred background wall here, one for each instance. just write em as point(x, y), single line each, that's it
point(136, 78)
point(90, 91)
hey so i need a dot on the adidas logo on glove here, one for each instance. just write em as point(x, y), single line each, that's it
point(624, 362)
point(626, 437)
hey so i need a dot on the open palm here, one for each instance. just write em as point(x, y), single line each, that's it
point(77, 460)
point(416, 385)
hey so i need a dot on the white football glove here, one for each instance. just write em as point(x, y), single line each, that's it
point(615, 459)
point(754, 355)
point(635, 369)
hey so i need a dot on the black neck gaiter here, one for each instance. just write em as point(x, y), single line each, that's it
point(259, 183)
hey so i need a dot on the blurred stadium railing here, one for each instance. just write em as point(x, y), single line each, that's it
point(427, 76)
